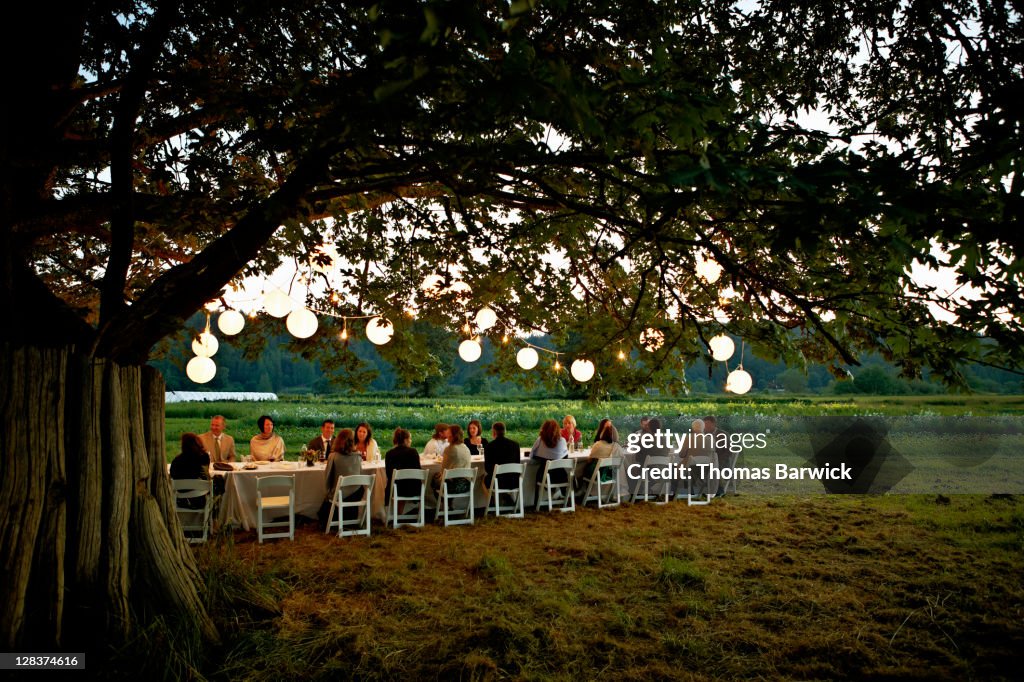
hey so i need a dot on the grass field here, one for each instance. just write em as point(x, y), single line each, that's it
point(797, 586)
point(297, 420)
point(837, 587)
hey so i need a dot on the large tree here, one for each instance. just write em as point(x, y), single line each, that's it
point(570, 162)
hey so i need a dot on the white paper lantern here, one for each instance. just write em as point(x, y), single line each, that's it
point(460, 289)
point(722, 347)
point(582, 370)
point(721, 316)
point(527, 358)
point(739, 381)
point(231, 322)
point(470, 350)
point(379, 331)
point(200, 369)
point(708, 269)
point(277, 303)
point(652, 339)
point(302, 323)
point(485, 318)
point(206, 345)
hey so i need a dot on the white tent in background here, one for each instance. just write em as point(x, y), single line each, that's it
point(209, 396)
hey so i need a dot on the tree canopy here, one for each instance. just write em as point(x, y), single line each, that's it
point(571, 162)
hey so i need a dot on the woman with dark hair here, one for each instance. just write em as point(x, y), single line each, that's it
point(549, 445)
point(438, 442)
point(456, 456)
point(192, 463)
point(266, 446)
point(402, 456)
point(606, 444)
point(365, 446)
point(475, 440)
point(344, 461)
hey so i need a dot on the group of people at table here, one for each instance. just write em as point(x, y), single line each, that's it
point(347, 450)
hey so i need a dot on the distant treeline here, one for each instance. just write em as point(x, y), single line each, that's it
point(279, 370)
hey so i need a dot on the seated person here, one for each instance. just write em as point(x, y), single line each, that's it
point(438, 442)
point(266, 446)
point(220, 445)
point(606, 444)
point(192, 463)
point(344, 461)
point(500, 450)
point(365, 445)
point(475, 440)
point(548, 446)
point(322, 442)
point(456, 456)
point(402, 456)
point(697, 445)
point(569, 431)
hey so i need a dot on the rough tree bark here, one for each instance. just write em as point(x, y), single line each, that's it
point(87, 516)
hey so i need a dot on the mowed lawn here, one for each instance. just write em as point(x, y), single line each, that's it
point(818, 587)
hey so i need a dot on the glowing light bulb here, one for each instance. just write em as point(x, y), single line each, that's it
point(558, 365)
point(622, 355)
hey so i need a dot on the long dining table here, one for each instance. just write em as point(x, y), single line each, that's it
point(238, 506)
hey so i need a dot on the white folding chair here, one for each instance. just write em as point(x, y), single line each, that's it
point(662, 486)
point(361, 524)
point(446, 507)
point(517, 509)
point(565, 489)
point(266, 501)
point(707, 496)
point(194, 519)
point(595, 487)
point(414, 514)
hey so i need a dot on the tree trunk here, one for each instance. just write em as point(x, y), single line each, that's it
point(90, 538)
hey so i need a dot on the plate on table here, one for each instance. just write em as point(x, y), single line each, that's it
point(250, 467)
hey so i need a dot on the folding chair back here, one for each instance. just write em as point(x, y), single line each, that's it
point(596, 488)
point(275, 493)
point(517, 509)
point(546, 488)
point(361, 524)
point(654, 489)
point(701, 492)
point(447, 507)
point(195, 515)
point(412, 515)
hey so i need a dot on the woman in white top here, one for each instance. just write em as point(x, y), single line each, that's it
point(266, 446)
point(606, 444)
point(365, 446)
point(438, 442)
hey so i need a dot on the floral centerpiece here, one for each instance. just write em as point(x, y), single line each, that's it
point(308, 456)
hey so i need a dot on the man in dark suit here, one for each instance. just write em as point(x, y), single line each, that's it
point(322, 443)
point(500, 450)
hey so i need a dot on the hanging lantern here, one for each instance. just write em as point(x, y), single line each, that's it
point(205, 346)
point(708, 269)
point(379, 331)
point(277, 303)
point(460, 289)
point(485, 318)
point(470, 350)
point(432, 284)
point(200, 369)
point(722, 347)
point(652, 339)
point(582, 370)
point(302, 323)
point(230, 322)
point(739, 381)
point(527, 358)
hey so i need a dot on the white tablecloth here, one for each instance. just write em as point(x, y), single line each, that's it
point(239, 504)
